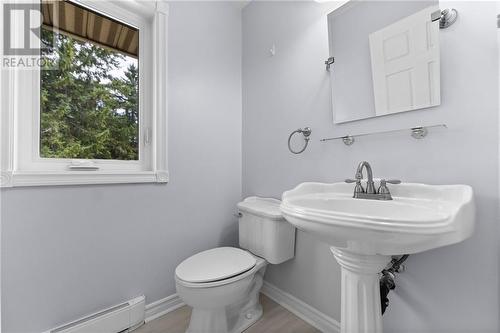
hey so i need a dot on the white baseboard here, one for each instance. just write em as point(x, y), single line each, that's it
point(162, 307)
point(302, 310)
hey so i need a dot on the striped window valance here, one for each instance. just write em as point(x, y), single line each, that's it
point(88, 25)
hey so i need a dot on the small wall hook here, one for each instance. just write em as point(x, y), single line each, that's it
point(272, 50)
point(329, 62)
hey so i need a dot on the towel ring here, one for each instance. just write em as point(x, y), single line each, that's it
point(306, 132)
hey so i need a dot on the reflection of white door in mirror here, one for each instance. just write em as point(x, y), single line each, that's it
point(405, 64)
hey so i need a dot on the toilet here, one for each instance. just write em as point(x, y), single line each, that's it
point(222, 284)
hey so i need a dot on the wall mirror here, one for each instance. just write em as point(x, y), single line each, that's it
point(386, 58)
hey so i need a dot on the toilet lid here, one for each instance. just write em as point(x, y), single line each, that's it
point(215, 264)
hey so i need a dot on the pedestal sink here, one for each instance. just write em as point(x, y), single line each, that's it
point(364, 234)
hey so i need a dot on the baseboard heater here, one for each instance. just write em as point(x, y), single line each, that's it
point(122, 317)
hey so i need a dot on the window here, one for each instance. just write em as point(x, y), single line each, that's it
point(95, 110)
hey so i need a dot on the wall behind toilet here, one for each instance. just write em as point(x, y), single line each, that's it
point(452, 289)
point(69, 251)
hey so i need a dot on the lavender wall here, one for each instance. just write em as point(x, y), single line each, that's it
point(68, 251)
point(452, 289)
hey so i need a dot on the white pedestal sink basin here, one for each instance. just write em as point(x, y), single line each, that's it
point(365, 233)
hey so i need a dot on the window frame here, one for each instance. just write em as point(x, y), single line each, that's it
point(20, 161)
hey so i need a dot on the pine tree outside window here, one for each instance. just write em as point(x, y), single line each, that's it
point(89, 91)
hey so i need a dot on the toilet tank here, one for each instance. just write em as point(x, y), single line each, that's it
point(263, 230)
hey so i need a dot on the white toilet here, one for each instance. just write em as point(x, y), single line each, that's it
point(222, 285)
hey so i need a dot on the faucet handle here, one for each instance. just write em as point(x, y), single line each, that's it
point(383, 185)
point(390, 181)
point(358, 188)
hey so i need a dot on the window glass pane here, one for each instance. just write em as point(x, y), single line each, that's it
point(89, 97)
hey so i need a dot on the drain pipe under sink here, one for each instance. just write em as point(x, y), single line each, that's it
point(387, 280)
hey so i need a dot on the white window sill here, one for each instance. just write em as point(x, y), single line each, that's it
point(15, 179)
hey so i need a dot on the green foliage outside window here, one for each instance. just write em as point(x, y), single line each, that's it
point(89, 101)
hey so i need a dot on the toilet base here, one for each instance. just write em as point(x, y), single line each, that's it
point(251, 317)
point(217, 320)
point(234, 318)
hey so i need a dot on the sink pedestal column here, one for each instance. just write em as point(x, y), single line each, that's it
point(361, 310)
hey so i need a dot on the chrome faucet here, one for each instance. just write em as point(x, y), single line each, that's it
point(382, 193)
point(370, 185)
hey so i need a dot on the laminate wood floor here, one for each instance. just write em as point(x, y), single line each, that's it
point(276, 319)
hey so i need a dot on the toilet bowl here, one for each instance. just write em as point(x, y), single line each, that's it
point(222, 285)
point(229, 304)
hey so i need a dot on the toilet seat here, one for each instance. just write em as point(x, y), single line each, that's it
point(214, 265)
